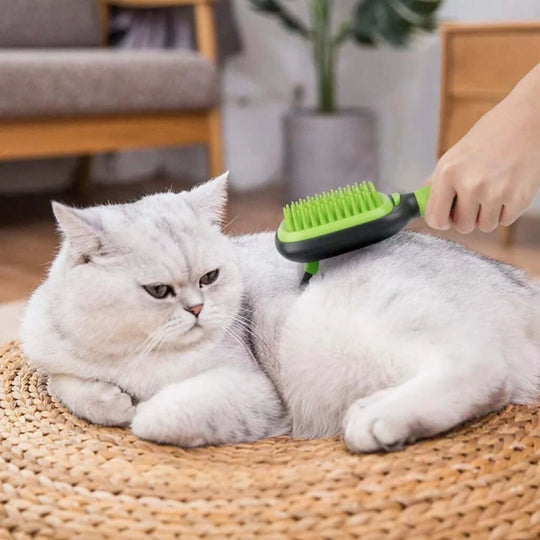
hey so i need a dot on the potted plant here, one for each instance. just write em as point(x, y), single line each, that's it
point(327, 147)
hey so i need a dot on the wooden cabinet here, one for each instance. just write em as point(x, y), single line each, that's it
point(481, 63)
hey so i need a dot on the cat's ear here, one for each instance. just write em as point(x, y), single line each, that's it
point(210, 199)
point(84, 238)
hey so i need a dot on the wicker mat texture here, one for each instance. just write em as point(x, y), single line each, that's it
point(63, 478)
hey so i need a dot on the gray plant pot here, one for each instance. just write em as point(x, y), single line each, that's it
point(324, 151)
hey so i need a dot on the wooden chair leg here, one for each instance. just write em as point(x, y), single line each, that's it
point(506, 234)
point(83, 183)
point(215, 144)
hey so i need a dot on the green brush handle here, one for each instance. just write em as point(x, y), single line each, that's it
point(422, 195)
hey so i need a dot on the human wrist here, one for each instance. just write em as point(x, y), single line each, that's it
point(526, 93)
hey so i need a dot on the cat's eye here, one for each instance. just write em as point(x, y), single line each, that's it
point(209, 277)
point(159, 290)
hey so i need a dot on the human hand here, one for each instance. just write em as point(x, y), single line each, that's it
point(494, 171)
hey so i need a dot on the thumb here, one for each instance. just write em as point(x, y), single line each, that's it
point(439, 205)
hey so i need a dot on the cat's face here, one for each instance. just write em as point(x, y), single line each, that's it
point(153, 274)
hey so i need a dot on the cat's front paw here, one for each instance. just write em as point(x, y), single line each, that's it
point(370, 426)
point(110, 406)
point(153, 422)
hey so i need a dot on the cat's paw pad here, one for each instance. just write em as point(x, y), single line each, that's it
point(111, 406)
point(366, 429)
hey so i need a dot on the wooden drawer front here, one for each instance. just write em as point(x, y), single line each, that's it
point(462, 115)
point(480, 65)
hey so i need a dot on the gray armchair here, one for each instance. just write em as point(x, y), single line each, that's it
point(62, 93)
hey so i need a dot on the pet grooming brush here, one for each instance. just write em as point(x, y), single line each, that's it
point(343, 220)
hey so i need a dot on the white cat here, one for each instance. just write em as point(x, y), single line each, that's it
point(151, 317)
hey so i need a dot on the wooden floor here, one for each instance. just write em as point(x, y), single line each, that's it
point(28, 239)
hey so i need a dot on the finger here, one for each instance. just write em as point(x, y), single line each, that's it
point(515, 206)
point(488, 217)
point(439, 204)
point(465, 214)
point(509, 214)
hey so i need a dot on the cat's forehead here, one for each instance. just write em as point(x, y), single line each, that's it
point(154, 217)
point(164, 210)
point(154, 230)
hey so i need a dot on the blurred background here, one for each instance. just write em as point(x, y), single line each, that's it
point(251, 100)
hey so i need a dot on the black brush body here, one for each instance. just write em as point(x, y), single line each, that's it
point(365, 234)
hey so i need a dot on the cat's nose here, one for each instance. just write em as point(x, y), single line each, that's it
point(195, 309)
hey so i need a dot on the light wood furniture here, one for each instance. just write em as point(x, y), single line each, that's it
point(84, 135)
point(481, 63)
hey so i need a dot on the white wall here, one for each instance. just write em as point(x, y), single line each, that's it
point(401, 85)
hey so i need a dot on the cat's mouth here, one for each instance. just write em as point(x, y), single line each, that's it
point(195, 329)
point(193, 336)
point(186, 339)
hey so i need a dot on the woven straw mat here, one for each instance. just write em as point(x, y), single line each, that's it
point(61, 477)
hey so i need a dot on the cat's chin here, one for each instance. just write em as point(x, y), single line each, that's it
point(194, 336)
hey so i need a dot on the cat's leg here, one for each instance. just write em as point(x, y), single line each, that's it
point(222, 405)
point(96, 401)
point(426, 405)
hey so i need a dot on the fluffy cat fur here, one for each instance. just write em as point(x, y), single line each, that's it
point(398, 341)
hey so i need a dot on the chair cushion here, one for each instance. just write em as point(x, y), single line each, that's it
point(68, 82)
point(49, 23)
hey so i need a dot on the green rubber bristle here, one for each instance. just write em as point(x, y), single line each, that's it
point(331, 206)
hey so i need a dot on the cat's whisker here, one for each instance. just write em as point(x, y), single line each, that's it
point(253, 333)
point(229, 223)
point(153, 343)
point(229, 330)
point(144, 349)
point(249, 326)
point(161, 342)
point(148, 338)
point(238, 339)
point(137, 360)
point(135, 353)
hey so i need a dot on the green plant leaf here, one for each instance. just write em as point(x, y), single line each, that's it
point(371, 22)
point(423, 7)
point(392, 21)
point(287, 19)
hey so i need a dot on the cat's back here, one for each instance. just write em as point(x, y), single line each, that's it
point(432, 260)
point(412, 275)
point(409, 261)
